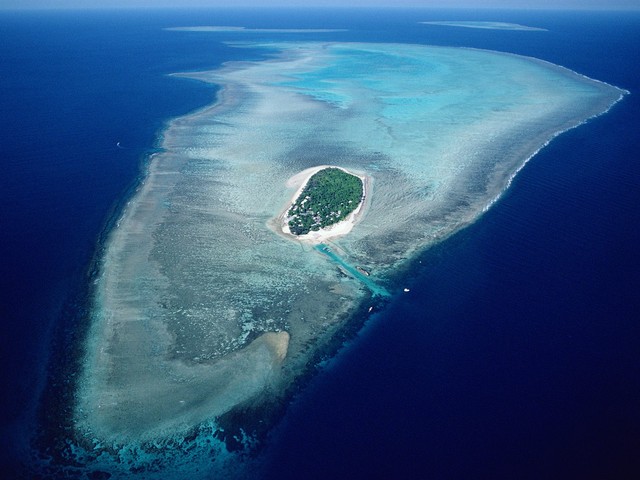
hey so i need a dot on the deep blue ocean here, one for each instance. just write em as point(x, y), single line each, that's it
point(516, 353)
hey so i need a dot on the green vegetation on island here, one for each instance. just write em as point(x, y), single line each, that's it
point(329, 197)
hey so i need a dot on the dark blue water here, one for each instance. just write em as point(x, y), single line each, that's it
point(516, 353)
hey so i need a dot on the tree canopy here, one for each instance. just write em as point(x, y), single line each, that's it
point(329, 197)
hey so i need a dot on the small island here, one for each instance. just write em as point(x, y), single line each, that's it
point(329, 196)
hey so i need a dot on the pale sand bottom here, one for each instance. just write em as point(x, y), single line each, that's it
point(171, 397)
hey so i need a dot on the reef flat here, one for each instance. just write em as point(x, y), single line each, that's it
point(202, 308)
point(487, 25)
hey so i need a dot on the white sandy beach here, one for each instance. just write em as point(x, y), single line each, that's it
point(339, 229)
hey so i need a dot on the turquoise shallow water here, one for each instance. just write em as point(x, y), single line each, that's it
point(374, 288)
